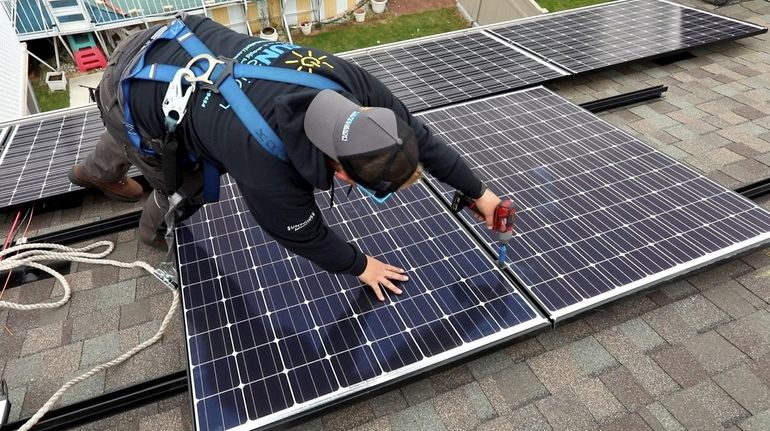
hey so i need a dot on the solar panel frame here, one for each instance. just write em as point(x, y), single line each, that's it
point(39, 177)
point(439, 81)
point(358, 389)
point(506, 32)
point(535, 193)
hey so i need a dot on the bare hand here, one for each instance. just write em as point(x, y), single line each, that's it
point(487, 204)
point(379, 274)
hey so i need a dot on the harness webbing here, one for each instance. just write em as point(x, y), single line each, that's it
point(225, 75)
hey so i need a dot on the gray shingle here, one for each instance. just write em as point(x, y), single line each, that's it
point(62, 361)
point(714, 352)
point(43, 338)
point(418, 391)
point(528, 418)
point(381, 424)
point(757, 282)
point(700, 314)
point(729, 299)
point(641, 335)
point(689, 412)
point(387, 403)
point(525, 349)
point(455, 410)
point(490, 363)
point(451, 378)
point(591, 356)
point(563, 413)
point(626, 388)
point(170, 420)
point(564, 334)
point(419, 417)
point(749, 333)
point(556, 369)
point(745, 388)
point(721, 406)
point(479, 402)
point(95, 324)
point(599, 401)
point(100, 349)
point(629, 422)
point(660, 419)
point(680, 365)
point(518, 385)
point(760, 422)
point(348, 417)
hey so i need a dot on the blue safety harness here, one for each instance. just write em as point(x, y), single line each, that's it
point(222, 77)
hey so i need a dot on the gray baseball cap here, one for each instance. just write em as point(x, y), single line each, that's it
point(375, 147)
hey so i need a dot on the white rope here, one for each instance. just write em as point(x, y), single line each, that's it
point(30, 254)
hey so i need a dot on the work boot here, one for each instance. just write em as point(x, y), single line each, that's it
point(124, 189)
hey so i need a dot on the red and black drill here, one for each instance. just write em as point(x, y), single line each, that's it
point(503, 221)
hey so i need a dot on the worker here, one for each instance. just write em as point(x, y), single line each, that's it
point(356, 130)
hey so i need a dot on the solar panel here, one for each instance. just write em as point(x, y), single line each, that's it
point(270, 335)
point(437, 72)
point(601, 214)
point(38, 154)
point(622, 31)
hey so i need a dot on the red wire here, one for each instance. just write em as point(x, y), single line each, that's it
point(11, 231)
point(12, 234)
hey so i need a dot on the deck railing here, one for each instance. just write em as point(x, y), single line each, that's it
point(33, 18)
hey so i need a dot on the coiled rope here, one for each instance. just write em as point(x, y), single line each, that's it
point(32, 253)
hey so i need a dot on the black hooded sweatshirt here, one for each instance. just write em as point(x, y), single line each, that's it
point(279, 194)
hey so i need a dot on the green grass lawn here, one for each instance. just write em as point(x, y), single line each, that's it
point(50, 100)
point(380, 29)
point(557, 5)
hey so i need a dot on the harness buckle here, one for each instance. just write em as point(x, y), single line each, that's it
point(176, 98)
point(223, 74)
point(205, 77)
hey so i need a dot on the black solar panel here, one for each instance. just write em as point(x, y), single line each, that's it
point(270, 335)
point(38, 154)
point(600, 213)
point(622, 31)
point(438, 72)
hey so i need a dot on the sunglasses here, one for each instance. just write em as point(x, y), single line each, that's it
point(378, 197)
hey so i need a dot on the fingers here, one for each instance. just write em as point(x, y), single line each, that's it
point(391, 287)
point(379, 274)
point(377, 291)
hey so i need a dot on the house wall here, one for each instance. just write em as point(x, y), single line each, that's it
point(13, 68)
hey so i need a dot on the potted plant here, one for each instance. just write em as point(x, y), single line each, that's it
point(269, 33)
point(306, 27)
point(56, 81)
point(378, 6)
point(360, 14)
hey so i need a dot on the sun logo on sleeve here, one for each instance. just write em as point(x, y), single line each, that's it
point(308, 61)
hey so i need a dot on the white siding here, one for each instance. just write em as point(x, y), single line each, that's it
point(13, 69)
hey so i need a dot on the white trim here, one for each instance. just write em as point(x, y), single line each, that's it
point(8, 143)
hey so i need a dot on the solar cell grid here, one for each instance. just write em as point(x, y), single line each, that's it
point(271, 335)
point(38, 155)
point(622, 31)
point(601, 213)
point(438, 72)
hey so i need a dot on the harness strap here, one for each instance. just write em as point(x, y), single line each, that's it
point(224, 78)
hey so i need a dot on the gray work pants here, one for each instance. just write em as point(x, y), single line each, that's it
point(114, 153)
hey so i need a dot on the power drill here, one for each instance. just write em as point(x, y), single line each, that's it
point(502, 223)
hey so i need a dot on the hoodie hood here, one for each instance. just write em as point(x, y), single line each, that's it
point(308, 160)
